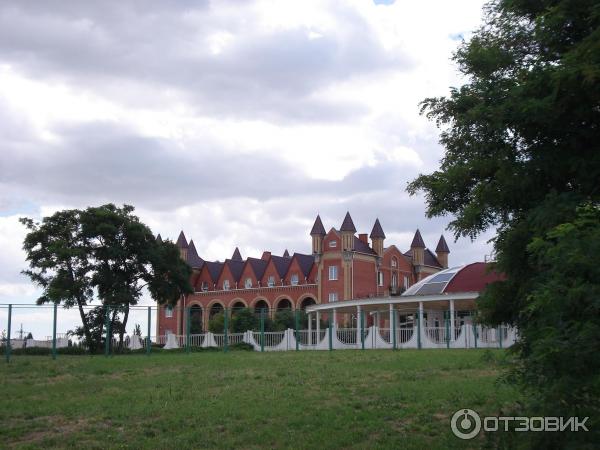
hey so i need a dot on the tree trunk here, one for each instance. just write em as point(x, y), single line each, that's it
point(112, 327)
point(86, 328)
point(125, 317)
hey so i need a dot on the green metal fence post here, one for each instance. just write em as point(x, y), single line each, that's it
point(188, 324)
point(225, 335)
point(447, 317)
point(148, 339)
point(395, 344)
point(475, 333)
point(362, 329)
point(107, 326)
point(54, 333)
point(418, 330)
point(297, 330)
point(262, 330)
point(7, 350)
point(330, 332)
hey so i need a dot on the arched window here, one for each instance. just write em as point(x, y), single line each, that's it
point(394, 262)
point(261, 307)
point(284, 304)
point(307, 302)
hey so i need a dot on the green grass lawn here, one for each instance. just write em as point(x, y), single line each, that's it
point(349, 399)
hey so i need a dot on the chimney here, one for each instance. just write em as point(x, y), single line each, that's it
point(364, 237)
point(266, 256)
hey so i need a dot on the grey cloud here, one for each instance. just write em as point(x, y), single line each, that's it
point(275, 75)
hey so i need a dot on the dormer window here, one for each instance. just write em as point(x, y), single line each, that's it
point(248, 283)
point(226, 285)
point(271, 281)
point(204, 286)
point(294, 279)
point(332, 244)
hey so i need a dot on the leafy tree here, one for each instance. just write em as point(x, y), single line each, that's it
point(216, 324)
point(128, 259)
point(283, 320)
point(95, 319)
point(522, 156)
point(57, 252)
point(243, 320)
point(105, 250)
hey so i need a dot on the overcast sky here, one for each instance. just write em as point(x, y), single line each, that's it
point(235, 121)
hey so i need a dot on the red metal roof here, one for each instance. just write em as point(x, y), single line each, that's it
point(473, 278)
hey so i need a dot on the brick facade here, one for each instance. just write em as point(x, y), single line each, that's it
point(342, 266)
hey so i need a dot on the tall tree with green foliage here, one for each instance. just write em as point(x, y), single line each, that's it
point(59, 263)
point(522, 140)
point(106, 251)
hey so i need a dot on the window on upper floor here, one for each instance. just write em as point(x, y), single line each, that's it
point(271, 281)
point(333, 297)
point(332, 244)
point(204, 286)
point(333, 272)
point(394, 280)
point(294, 279)
point(169, 312)
point(248, 283)
point(406, 282)
point(380, 278)
point(394, 262)
point(226, 285)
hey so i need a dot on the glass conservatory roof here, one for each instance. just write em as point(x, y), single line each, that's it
point(433, 284)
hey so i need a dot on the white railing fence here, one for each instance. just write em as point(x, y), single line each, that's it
point(464, 336)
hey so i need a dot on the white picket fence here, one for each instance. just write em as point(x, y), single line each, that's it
point(465, 336)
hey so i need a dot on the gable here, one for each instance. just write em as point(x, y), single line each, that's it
point(332, 242)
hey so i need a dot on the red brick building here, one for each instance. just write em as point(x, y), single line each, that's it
point(342, 266)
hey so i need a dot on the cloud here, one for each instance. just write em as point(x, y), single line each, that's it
point(235, 121)
point(220, 59)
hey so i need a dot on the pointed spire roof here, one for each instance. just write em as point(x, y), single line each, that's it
point(192, 257)
point(237, 256)
point(347, 224)
point(182, 241)
point(158, 238)
point(377, 231)
point(286, 254)
point(442, 247)
point(417, 241)
point(318, 229)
